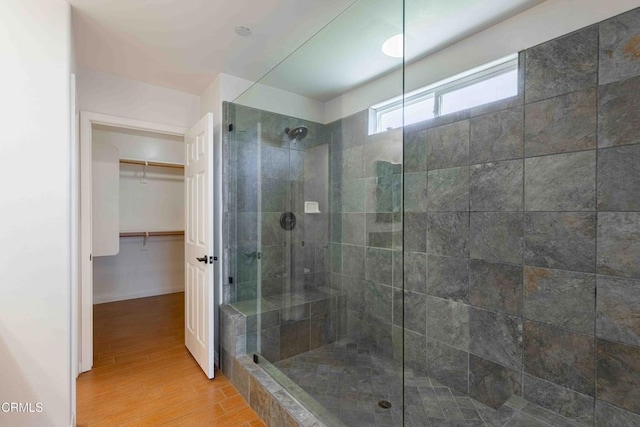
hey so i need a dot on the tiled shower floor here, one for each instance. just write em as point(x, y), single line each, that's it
point(349, 380)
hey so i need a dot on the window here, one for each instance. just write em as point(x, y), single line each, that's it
point(491, 82)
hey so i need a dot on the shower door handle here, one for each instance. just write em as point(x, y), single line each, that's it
point(204, 259)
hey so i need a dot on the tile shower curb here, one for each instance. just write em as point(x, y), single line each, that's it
point(280, 408)
point(271, 401)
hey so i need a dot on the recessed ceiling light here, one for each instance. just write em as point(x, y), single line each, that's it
point(393, 47)
point(243, 31)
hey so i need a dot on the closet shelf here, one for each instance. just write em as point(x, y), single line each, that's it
point(151, 233)
point(146, 163)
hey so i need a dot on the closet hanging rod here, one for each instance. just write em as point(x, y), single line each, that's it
point(151, 233)
point(143, 163)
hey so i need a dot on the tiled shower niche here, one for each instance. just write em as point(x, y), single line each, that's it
point(493, 252)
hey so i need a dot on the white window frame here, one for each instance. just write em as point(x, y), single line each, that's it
point(441, 88)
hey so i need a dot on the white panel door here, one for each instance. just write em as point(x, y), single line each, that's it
point(199, 268)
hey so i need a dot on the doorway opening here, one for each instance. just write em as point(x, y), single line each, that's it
point(148, 204)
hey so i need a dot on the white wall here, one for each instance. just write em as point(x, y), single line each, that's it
point(137, 273)
point(235, 89)
point(157, 267)
point(210, 99)
point(539, 24)
point(35, 262)
point(108, 94)
point(283, 102)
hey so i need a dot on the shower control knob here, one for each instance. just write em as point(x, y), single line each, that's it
point(204, 259)
point(288, 221)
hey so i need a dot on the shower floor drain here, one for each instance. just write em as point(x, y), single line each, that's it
point(385, 404)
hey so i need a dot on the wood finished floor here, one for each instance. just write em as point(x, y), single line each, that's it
point(144, 376)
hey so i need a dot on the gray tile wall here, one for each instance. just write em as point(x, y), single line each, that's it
point(531, 234)
point(266, 174)
point(365, 251)
point(263, 181)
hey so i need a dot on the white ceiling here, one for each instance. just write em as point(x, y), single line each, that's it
point(184, 44)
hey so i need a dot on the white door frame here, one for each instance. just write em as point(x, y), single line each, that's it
point(87, 120)
point(75, 244)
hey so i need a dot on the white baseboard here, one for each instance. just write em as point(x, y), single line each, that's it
point(101, 299)
point(85, 368)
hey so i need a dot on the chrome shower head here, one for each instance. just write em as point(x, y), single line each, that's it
point(297, 133)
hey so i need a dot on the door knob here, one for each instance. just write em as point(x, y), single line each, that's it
point(204, 259)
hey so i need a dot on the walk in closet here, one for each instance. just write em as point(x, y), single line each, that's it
point(138, 214)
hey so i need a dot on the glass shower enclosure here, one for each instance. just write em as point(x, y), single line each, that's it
point(408, 250)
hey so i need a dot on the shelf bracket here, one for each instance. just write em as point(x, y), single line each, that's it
point(143, 178)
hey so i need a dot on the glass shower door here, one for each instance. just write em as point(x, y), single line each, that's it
point(329, 290)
